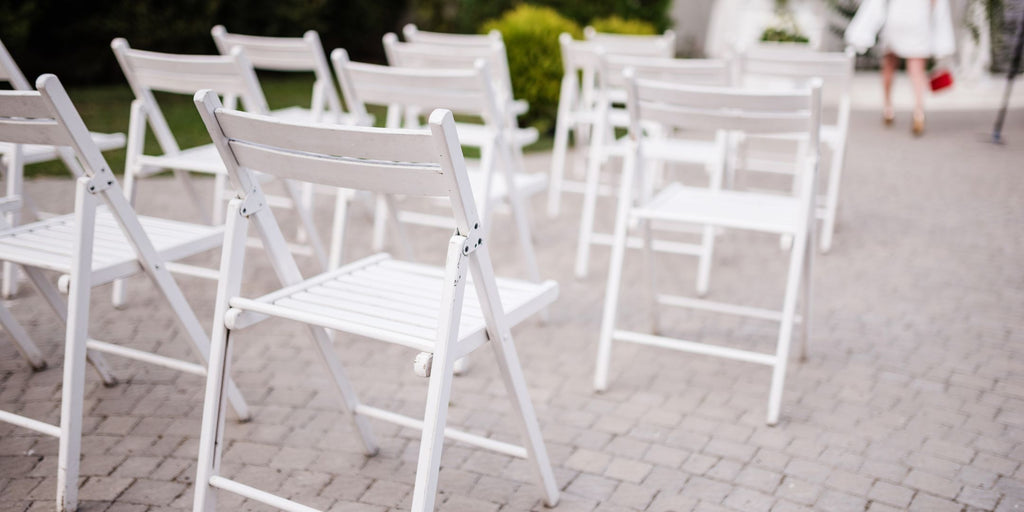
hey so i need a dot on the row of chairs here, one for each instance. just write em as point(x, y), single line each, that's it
point(425, 308)
point(397, 297)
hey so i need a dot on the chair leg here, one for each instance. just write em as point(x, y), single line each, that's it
point(432, 438)
point(338, 227)
point(77, 334)
point(828, 225)
point(805, 293)
point(796, 269)
point(587, 218)
point(57, 304)
point(306, 221)
point(652, 279)
point(211, 436)
point(561, 147)
point(515, 384)
point(22, 341)
point(13, 172)
point(611, 297)
point(707, 248)
point(380, 222)
point(349, 399)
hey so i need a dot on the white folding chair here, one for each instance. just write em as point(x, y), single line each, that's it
point(103, 240)
point(706, 108)
point(788, 65)
point(577, 97)
point(421, 307)
point(671, 147)
point(299, 54)
point(14, 168)
point(426, 55)
point(409, 91)
point(230, 75)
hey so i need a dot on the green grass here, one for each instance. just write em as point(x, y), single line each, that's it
point(105, 109)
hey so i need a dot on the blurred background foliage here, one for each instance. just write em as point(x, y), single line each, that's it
point(72, 39)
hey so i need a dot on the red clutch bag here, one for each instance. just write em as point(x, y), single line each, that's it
point(941, 79)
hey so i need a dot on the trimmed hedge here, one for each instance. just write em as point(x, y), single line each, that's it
point(534, 58)
point(72, 39)
point(618, 25)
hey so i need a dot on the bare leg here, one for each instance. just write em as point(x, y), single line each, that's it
point(915, 68)
point(889, 62)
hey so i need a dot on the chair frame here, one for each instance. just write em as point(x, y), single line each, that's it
point(232, 76)
point(692, 107)
point(49, 117)
point(407, 92)
point(14, 164)
point(611, 90)
point(577, 96)
point(384, 161)
point(415, 35)
point(802, 63)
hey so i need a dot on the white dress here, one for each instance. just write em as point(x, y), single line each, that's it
point(908, 28)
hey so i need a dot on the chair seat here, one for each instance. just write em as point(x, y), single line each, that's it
point(390, 300)
point(47, 244)
point(476, 135)
point(198, 159)
point(727, 208)
point(36, 153)
point(528, 184)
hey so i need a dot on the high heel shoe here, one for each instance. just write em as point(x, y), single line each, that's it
point(888, 117)
point(918, 127)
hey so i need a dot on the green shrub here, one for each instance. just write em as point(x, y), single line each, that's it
point(619, 25)
point(534, 58)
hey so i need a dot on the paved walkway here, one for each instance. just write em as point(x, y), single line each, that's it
point(912, 398)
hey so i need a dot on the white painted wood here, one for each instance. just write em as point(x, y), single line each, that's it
point(577, 100)
point(717, 109)
point(783, 66)
point(101, 241)
point(426, 308)
point(231, 76)
point(415, 35)
point(410, 91)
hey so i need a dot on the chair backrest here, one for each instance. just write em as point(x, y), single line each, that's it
point(231, 76)
point(47, 116)
point(10, 72)
point(465, 91)
point(713, 72)
point(796, 65)
point(441, 56)
point(416, 162)
point(304, 53)
point(415, 35)
point(755, 112)
point(663, 45)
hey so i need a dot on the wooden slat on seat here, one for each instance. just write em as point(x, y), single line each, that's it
point(48, 243)
point(727, 208)
point(400, 298)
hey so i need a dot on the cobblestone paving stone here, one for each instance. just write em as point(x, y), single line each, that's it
point(912, 397)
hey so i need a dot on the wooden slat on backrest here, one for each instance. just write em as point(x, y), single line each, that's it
point(663, 45)
point(680, 71)
point(273, 53)
point(376, 159)
point(720, 108)
point(579, 55)
point(26, 118)
point(415, 35)
point(186, 74)
point(835, 69)
point(447, 56)
point(463, 91)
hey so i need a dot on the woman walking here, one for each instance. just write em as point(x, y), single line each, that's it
point(913, 30)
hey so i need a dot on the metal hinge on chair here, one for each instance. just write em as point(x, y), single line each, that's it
point(102, 180)
point(252, 202)
point(474, 239)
